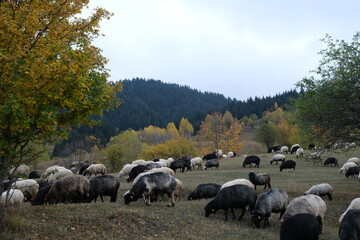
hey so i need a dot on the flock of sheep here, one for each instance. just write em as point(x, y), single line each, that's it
point(300, 218)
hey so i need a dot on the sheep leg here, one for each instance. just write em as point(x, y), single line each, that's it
point(171, 199)
point(101, 198)
point(330, 197)
point(233, 213)
point(242, 213)
point(226, 214)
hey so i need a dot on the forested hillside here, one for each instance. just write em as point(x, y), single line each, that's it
point(152, 102)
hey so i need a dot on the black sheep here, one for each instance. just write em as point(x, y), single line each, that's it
point(229, 198)
point(83, 168)
point(178, 164)
point(40, 195)
point(210, 156)
point(249, 160)
point(331, 161)
point(352, 171)
point(288, 164)
point(34, 174)
point(135, 171)
point(302, 226)
point(294, 148)
point(208, 190)
point(350, 225)
point(104, 185)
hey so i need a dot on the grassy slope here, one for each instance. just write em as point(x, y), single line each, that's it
point(186, 220)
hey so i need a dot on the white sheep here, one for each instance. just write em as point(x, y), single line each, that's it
point(321, 189)
point(14, 198)
point(230, 154)
point(28, 187)
point(355, 160)
point(51, 170)
point(197, 161)
point(284, 150)
point(312, 204)
point(346, 166)
point(162, 162)
point(20, 170)
point(355, 204)
point(242, 181)
point(139, 162)
point(277, 157)
point(178, 189)
point(299, 152)
point(224, 156)
point(95, 168)
point(126, 169)
point(59, 174)
point(153, 170)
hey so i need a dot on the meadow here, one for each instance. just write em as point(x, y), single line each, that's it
point(187, 219)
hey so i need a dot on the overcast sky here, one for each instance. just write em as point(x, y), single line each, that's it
point(238, 48)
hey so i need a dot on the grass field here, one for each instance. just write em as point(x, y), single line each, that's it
point(186, 220)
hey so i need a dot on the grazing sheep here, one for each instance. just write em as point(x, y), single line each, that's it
point(187, 161)
point(197, 161)
point(210, 156)
point(322, 189)
point(346, 166)
point(59, 174)
point(83, 168)
point(212, 163)
point(126, 170)
point(208, 190)
point(260, 179)
point(284, 150)
point(355, 204)
point(355, 160)
point(72, 188)
point(350, 225)
point(311, 146)
point(34, 174)
point(330, 161)
point(299, 152)
point(104, 185)
point(135, 171)
point(95, 169)
point(305, 204)
point(352, 171)
point(236, 196)
point(271, 201)
point(302, 226)
point(14, 198)
point(288, 164)
point(153, 165)
point(315, 155)
point(178, 164)
point(274, 149)
point(51, 170)
point(242, 181)
point(152, 184)
point(231, 154)
point(249, 160)
point(277, 157)
point(294, 148)
point(21, 170)
point(139, 162)
point(41, 194)
point(28, 187)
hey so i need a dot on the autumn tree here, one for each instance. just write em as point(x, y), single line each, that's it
point(329, 109)
point(174, 148)
point(51, 76)
point(219, 131)
point(267, 134)
point(185, 128)
point(172, 131)
point(153, 135)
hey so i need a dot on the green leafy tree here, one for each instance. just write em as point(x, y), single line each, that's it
point(267, 134)
point(51, 77)
point(329, 109)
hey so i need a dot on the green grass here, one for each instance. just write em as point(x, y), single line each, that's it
point(186, 220)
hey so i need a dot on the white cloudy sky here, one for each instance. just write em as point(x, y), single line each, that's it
point(239, 48)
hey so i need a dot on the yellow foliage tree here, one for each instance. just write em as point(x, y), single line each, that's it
point(185, 128)
point(153, 135)
point(172, 131)
point(174, 148)
point(220, 132)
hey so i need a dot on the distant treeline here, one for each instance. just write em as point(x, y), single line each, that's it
point(152, 102)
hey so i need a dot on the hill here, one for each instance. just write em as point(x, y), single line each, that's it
point(152, 102)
